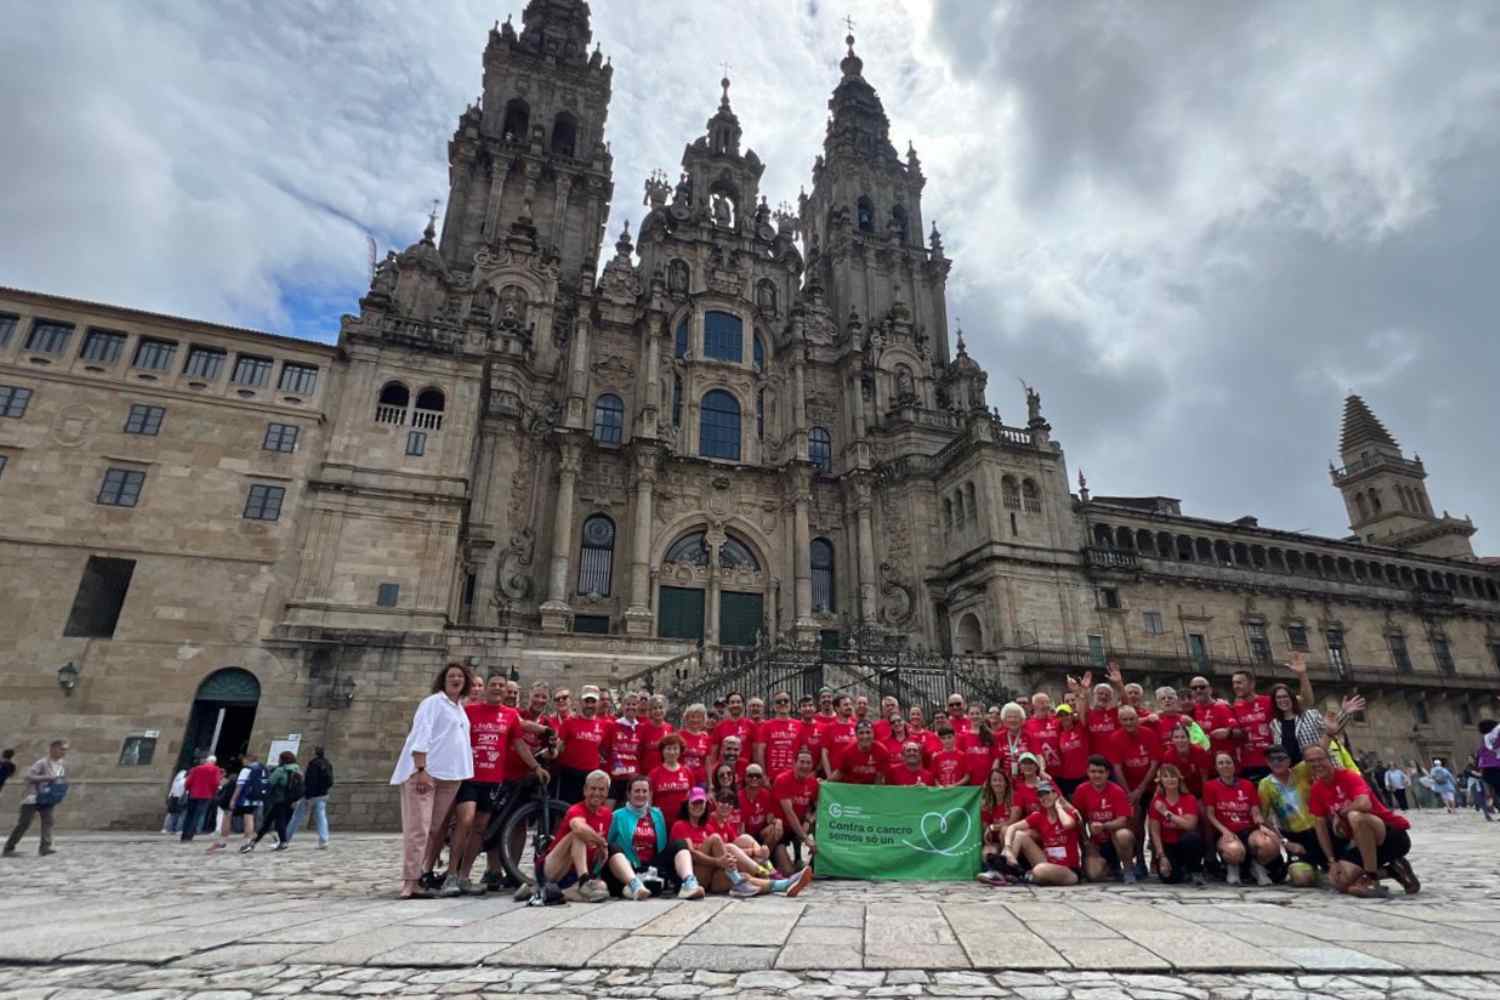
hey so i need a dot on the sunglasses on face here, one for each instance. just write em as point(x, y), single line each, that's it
point(1199, 687)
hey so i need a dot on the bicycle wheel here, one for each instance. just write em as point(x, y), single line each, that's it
point(519, 839)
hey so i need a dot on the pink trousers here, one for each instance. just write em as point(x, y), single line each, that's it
point(424, 814)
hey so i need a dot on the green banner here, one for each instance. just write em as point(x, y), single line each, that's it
point(897, 832)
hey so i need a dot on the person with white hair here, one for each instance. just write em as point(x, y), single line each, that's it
point(580, 846)
point(1010, 740)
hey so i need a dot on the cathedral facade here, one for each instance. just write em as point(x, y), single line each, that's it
point(747, 438)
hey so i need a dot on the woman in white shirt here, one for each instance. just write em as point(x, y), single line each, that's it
point(434, 762)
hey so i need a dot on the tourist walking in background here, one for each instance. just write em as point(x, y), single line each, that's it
point(1395, 783)
point(202, 786)
point(1488, 757)
point(45, 788)
point(7, 766)
point(1478, 793)
point(317, 781)
point(249, 796)
point(284, 789)
point(434, 761)
point(176, 803)
point(1443, 784)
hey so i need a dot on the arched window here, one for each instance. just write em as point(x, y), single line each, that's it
point(517, 126)
point(1375, 501)
point(973, 506)
point(735, 554)
point(680, 342)
point(899, 222)
point(758, 352)
point(431, 399)
point(723, 336)
point(1031, 497)
point(676, 400)
point(947, 515)
point(391, 405)
point(564, 133)
point(866, 214)
point(1364, 508)
point(958, 509)
point(719, 426)
point(760, 415)
point(1010, 493)
point(596, 559)
point(609, 419)
point(428, 415)
point(689, 549)
point(970, 638)
point(820, 449)
point(1104, 536)
point(822, 574)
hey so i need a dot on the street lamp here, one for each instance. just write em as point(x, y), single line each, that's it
point(67, 677)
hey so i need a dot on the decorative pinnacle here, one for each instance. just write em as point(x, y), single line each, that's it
point(430, 233)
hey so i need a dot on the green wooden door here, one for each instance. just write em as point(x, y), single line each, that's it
point(680, 613)
point(740, 617)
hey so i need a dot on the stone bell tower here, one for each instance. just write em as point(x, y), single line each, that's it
point(533, 146)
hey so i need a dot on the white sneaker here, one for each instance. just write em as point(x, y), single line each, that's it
point(573, 894)
point(594, 891)
point(450, 886)
point(1262, 877)
point(1232, 876)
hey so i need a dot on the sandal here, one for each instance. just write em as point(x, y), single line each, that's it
point(1368, 886)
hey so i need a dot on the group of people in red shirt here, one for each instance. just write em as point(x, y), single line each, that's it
point(1083, 791)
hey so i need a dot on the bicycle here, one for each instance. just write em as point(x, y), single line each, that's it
point(522, 826)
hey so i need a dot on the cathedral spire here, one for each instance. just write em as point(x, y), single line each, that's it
point(1362, 429)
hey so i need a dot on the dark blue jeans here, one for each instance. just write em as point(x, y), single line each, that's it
point(192, 815)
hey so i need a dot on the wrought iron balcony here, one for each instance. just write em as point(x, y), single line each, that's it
point(1102, 558)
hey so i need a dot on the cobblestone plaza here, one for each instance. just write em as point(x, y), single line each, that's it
point(146, 917)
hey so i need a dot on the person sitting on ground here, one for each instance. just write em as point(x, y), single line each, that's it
point(948, 765)
point(795, 793)
point(1233, 806)
point(637, 843)
point(1109, 815)
point(908, 769)
point(710, 862)
point(1173, 825)
point(863, 762)
point(1048, 839)
point(1283, 800)
point(750, 857)
point(759, 811)
point(1353, 826)
point(997, 813)
point(579, 846)
point(671, 780)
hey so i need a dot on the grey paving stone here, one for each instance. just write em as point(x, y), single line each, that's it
point(720, 958)
point(625, 915)
point(738, 925)
point(685, 919)
point(635, 951)
point(240, 955)
point(800, 954)
point(832, 915)
point(569, 950)
point(1329, 957)
point(1112, 955)
point(435, 953)
point(767, 981)
point(1202, 952)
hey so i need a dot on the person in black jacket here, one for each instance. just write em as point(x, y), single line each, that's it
point(318, 781)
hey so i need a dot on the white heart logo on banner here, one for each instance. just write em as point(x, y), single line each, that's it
point(943, 826)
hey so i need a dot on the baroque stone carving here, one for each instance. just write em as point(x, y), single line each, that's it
point(512, 575)
point(899, 597)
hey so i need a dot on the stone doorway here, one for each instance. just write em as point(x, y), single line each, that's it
point(222, 717)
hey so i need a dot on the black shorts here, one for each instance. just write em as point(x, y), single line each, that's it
point(1067, 786)
point(1397, 845)
point(570, 781)
point(616, 888)
point(246, 808)
point(1108, 853)
point(481, 793)
point(1308, 839)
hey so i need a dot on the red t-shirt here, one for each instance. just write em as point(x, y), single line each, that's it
point(899, 774)
point(1215, 715)
point(756, 809)
point(649, 736)
point(834, 738)
point(862, 767)
point(782, 738)
point(883, 730)
point(669, 789)
point(1186, 805)
point(960, 724)
point(742, 727)
point(1135, 753)
point(803, 793)
point(695, 754)
point(949, 767)
point(1008, 748)
point(643, 841)
point(978, 758)
point(1041, 739)
point(1164, 723)
point(583, 742)
point(926, 739)
point(728, 828)
point(1025, 798)
point(598, 821)
point(1232, 803)
point(1101, 806)
point(1329, 795)
point(1073, 749)
point(1254, 716)
point(1197, 767)
point(1102, 724)
point(203, 781)
point(693, 834)
point(515, 767)
point(998, 814)
point(622, 748)
point(812, 738)
point(1059, 843)
point(491, 728)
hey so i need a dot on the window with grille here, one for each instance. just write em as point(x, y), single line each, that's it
point(821, 552)
point(820, 449)
point(48, 337)
point(1336, 651)
point(1031, 497)
point(204, 363)
point(723, 336)
point(609, 419)
point(416, 443)
point(1296, 635)
point(264, 502)
point(299, 379)
point(689, 549)
point(155, 355)
point(121, 487)
point(281, 437)
point(1260, 645)
point(1443, 654)
point(13, 401)
point(103, 347)
point(250, 371)
point(1109, 598)
point(8, 323)
point(1154, 624)
point(719, 426)
point(1010, 493)
point(596, 559)
point(144, 419)
point(137, 751)
point(1399, 653)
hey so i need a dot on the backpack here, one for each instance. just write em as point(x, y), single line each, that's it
point(294, 786)
point(255, 784)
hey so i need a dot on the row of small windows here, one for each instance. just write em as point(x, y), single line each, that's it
point(122, 488)
point(1412, 500)
point(517, 127)
point(962, 507)
point(105, 347)
point(1185, 548)
point(718, 428)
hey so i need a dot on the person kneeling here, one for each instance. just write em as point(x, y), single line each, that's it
point(1357, 829)
point(1048, 839)
point(1173, 825)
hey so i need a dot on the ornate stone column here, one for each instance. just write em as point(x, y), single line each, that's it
point(714, 539)
point(556, 613)
point(638, 615)
point(805, 627)
point(498, 171)
point(861, 495)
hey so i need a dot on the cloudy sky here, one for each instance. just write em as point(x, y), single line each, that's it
point(1194, 226)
